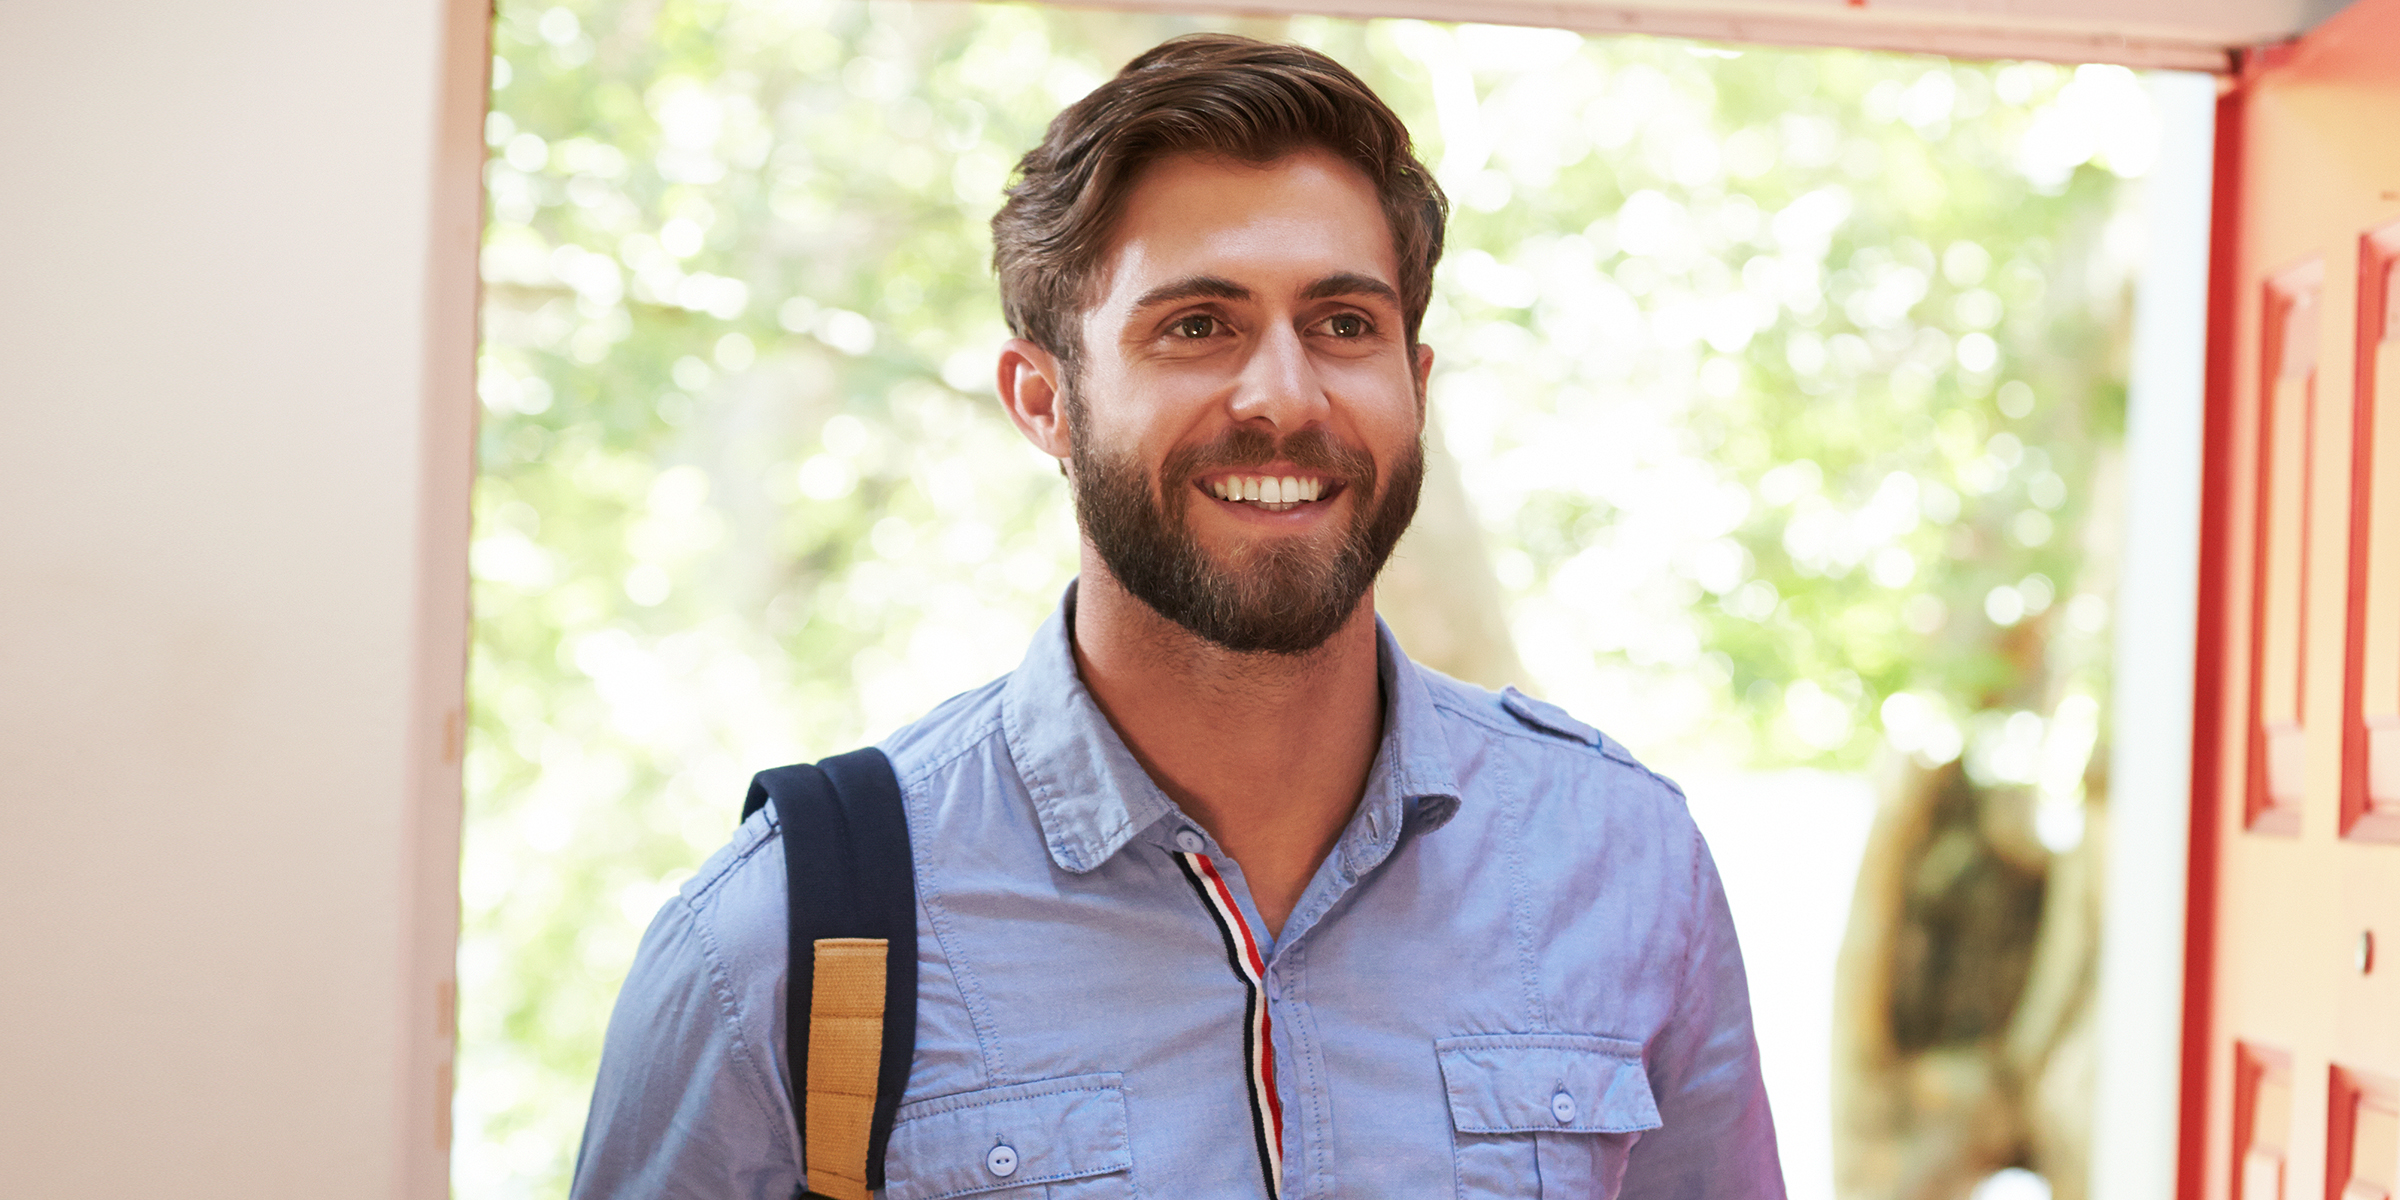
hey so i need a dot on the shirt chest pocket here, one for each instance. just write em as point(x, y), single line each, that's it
point(1055, 1138)
point(1544, 1114)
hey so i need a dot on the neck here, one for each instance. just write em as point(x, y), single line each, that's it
point(1269, 752)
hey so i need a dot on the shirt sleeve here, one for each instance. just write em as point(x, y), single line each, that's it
point(686, 1107)
point(1716, 1139)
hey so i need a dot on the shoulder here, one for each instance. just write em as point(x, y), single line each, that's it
point(691, 1095)
point(1527, 726)
point(1531, 774)
point(1567, 777)
point(738, 895)
point(937, 739)
point(736, 899)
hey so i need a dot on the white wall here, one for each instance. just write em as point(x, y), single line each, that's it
point(237, 246)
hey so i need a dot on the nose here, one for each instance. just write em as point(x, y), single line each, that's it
point(1280, 384)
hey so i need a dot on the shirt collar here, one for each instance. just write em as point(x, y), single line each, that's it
point(1092, 796)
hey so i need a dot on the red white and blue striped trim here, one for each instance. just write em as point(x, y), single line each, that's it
point(1258, 1043)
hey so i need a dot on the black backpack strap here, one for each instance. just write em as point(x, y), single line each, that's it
point(849, 874)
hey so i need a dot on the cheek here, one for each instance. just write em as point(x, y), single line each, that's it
point(1144, 391)
point(1382, 399)
point(1152, 414)
point(1129, 436)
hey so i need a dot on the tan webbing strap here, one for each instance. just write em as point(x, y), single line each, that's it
point(845, 1047)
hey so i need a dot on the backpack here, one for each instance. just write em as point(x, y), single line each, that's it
point(852, 985)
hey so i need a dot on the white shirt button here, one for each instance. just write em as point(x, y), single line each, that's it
point(1002, 1161)
point(1562, 1106)
point(1189, 841)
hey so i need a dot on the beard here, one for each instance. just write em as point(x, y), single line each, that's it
point(1279, 595)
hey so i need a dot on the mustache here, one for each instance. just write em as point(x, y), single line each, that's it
point(1246, 446)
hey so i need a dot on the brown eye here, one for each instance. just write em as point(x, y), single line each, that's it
point(1198, 325)
point(1346, 325)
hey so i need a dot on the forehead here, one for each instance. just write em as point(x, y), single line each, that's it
point(1291, 221)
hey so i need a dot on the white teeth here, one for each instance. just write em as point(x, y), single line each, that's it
point(1282, 492)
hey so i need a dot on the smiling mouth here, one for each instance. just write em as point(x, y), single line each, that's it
point(1270, 493)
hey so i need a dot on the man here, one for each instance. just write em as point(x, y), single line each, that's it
point(1220, 895)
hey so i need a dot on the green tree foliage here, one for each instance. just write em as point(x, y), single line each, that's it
point(1780, 380)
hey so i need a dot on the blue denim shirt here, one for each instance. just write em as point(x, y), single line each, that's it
point(1514, 976)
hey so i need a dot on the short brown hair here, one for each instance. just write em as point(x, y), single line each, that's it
point(1204, 93)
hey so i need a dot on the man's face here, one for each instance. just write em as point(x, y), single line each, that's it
point(1245, 426)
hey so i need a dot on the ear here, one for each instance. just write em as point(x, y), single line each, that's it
point(1424, 370)
point(1032, 389)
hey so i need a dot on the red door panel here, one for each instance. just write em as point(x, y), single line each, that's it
point(2292, 1025)
point(2262, 1121)
point(2371, 707)
point(2362, 1151)
point(2287, 440)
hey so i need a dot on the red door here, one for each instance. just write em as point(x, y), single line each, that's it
point(2292, 1033)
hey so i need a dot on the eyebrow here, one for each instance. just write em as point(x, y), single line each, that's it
point(1192, 288)
point(1350, 284)
point(1216, 287)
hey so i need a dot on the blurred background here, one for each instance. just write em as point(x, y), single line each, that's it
point(1778, 430)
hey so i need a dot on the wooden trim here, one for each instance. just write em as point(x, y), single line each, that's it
point(446, 424)
point(2365, 816)
point(1856, 26)
point(2209, 627)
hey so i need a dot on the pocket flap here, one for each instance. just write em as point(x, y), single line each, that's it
point(1054, 1129)
point(1546, 1083)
